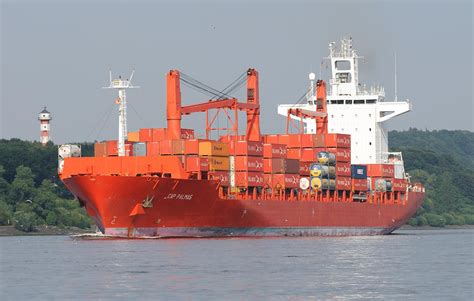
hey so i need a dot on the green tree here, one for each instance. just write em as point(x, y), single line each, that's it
point(5, 213)
point(25, 221)
point(23, 186)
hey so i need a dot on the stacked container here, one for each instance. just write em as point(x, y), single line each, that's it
point(280, 172)
point(247, 163)
point(217, 155)
point(359, 178)
point(380, 177)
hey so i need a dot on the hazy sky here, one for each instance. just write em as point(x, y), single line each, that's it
point(58, 53)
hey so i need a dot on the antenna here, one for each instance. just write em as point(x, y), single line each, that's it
point(121, 85)
point(396, 92)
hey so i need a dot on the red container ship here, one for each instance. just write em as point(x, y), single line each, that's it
point(165, 183)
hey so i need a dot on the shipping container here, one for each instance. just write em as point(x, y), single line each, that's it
point(284, 139)
point(337, 140)
point(213, 148)
point(128, 148)
point(279, 165)
point(191, 146)
point(380, 170)
point(381, 184)
point(271, 139)
point(246, 148)
point(399, 184)
point(274, 150)
point(139, 149)
point(152, 134)
point(187, 134)
point(221, 176)
point(112, 148)
point(359, 171)
point(343, 169)
point(196, 164)
point(133, 136)
point(322, 184)
point(325, 157)
point(248, 163)
point(359, 185)
point(153, 149)
point(248, 179)
point(172, 147)
point(294, 153)
point(100, 149)
point(322, 171)
point(282, 181)
point(304, 168)
point(305, 140)
point(343, 183)
point(342, 154)
point(218, 163)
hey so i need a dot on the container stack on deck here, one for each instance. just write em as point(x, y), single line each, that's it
point(278, 163)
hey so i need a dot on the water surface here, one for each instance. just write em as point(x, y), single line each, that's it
point(409, 265)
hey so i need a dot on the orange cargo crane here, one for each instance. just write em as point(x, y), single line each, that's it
point(320, 115)
point(175, 110)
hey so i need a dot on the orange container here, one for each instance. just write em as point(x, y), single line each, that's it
point(100, 149)
point(128, 149)
point(284, 139)
point(152, 134)
point(248, 179)
point(306, 140)
point(343, 183)
point(380, 170)
point(280, 165)
point(133, 136)
point(399, 184)
point(343, 169)
point(195, 164)
point(304, 168)
point(247, 163)
point(359, 185)
point(218, 163)
point(221, 176)
point(342, 154)
point(172, 147)
point(112, 148)
point(191, 147)
point(187, 134)
point(338, 140)
point(273, 139)
point(153, 148)
point(246, 148)
point(282, 181)
point(309, 154)
point(274, 150)
point(213, 148)
point(294, 153)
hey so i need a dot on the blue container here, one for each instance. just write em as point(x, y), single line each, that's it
point(359, 171)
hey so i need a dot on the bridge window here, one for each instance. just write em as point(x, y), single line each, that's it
point(371, 101)
point(343, 65)
point(344, 77)
point(359, 101)
point(340, 102)
point(348, 101)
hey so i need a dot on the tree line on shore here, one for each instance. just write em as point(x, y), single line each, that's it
point(31, 193)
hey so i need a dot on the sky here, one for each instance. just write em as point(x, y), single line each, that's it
point(58, 54)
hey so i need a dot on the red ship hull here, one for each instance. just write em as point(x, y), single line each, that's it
point(164, 207)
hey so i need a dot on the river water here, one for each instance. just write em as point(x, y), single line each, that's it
point(407, 265)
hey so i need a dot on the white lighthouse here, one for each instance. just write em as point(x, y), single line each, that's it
point(44, 118)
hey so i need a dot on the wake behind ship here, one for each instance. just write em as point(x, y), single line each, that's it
point(332, 176)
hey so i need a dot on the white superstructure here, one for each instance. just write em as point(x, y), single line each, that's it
point(353, 108)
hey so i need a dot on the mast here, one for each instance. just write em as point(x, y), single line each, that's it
point(121, 85)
